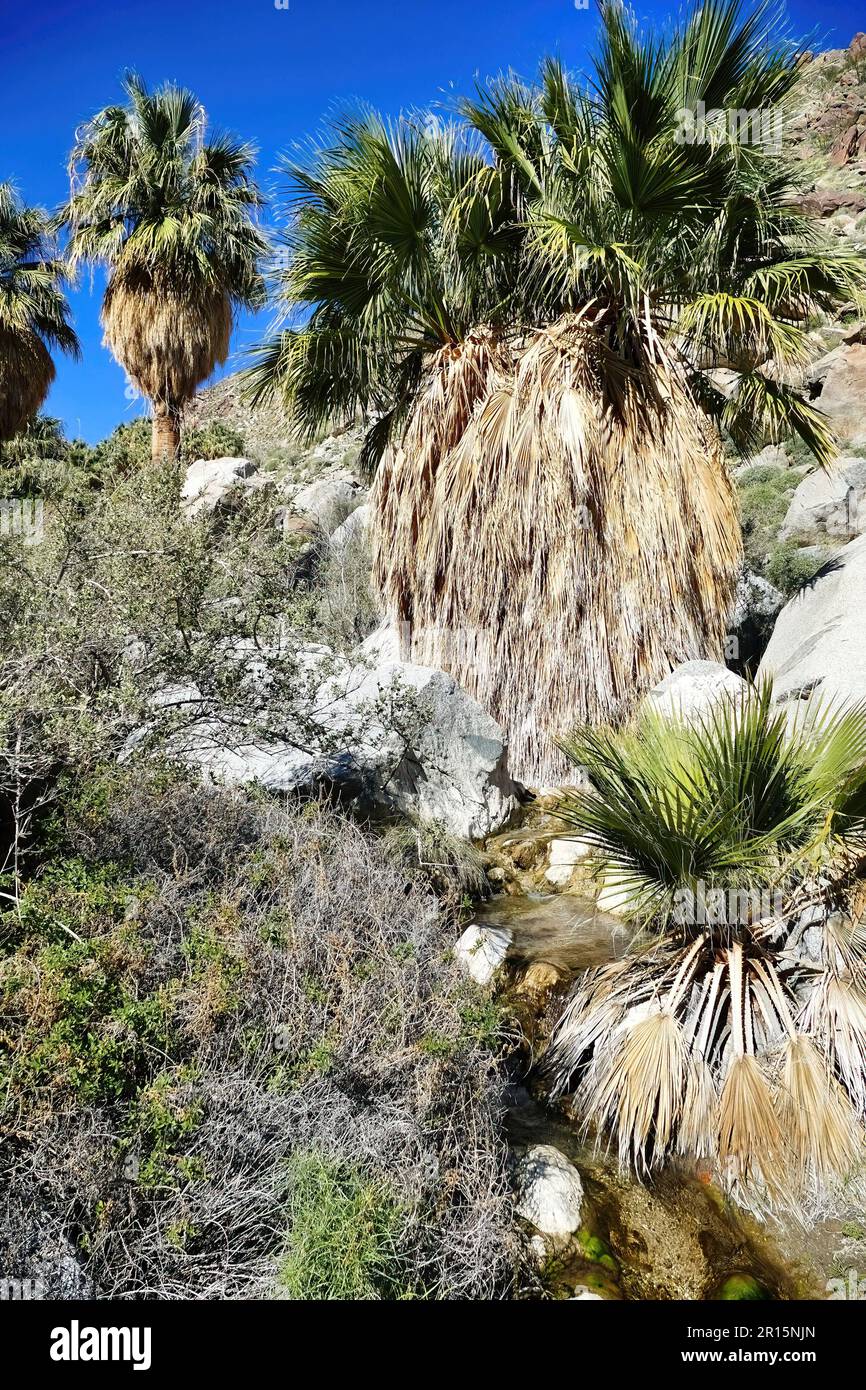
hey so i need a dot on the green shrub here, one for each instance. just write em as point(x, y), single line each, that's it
point(765, 493)
point(214, 440)
point(344, 1237)
point(789, 568)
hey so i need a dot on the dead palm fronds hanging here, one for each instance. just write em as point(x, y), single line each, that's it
point(34, 314)
point(578, 534)
point(732, 1035)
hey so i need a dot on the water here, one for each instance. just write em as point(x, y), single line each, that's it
point(674, 1238)
point(568, 932)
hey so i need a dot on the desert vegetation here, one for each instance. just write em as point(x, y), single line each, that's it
point(730, 839)
point(319, 684)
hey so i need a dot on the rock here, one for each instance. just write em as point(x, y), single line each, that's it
point(570, 851)
point(692, 689)
point(838, 385)
point(829, 502)
point(581, 1292)
point(209, 482)
point(559, 874)
point(406, 737)
point(614, 897)
point(330, 500)
point(847, 146)
point(449, 765)
point(481, 951)
point(857, 46)
point(771, 456)
point(817, 645)
point(751, 622)
point(756, 598)
point(549, 1193)
point(823, 202)
point(564, 856)
point(538, 978)
point(355, 529)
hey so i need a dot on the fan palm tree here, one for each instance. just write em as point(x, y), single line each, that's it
point(34, 314)
point(735, 1031)
point(170, 213)
point(538, 326)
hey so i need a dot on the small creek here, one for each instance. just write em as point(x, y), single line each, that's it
point(678, 1238)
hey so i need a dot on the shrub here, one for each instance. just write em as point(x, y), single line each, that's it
point(229, 1064)
point(211, 441)
point(789, 568)
point(765, 492)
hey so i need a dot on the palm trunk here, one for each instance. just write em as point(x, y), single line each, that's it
point(165, 434)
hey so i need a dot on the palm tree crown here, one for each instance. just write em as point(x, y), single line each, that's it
point(170, 213)
point(34, 314)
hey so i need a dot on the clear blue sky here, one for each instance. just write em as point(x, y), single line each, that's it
point(268, 75)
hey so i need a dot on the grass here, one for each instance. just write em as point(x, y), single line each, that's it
point(345, 1233)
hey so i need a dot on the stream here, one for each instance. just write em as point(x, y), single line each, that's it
point(678, 1237)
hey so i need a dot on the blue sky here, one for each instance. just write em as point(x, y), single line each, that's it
point(268, 75)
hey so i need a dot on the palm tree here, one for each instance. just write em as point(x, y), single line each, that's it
point(735, 1030)
point(170, 213)
point(34, 314)
point(537, 323)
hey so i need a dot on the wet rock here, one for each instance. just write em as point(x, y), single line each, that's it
point(481, 951)
point(540, 977)
point(549, 1193)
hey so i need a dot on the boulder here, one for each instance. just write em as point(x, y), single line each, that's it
point(756, 599)
point(481, 951)
point(355, 529)
point(755, 607)
point(823, 202)
point(817, 646)
point(693, 688)
point(549, 1193)
point(564, 856)
point(406, 737)
point(209, 483)
point(330, 500)
point(829, 502)
point(838, 385)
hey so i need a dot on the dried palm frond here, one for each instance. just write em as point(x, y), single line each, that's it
point(817, 1116)
point(26, 374)
point(167, 340)
point(569, 469)
point(34, 314)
